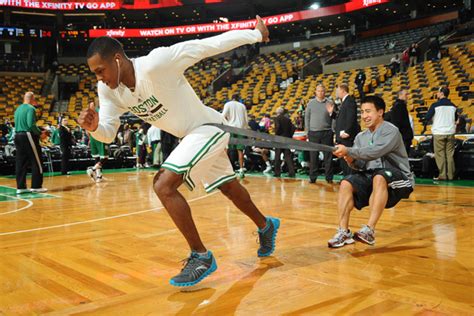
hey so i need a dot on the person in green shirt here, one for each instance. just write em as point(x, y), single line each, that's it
point(28, 150)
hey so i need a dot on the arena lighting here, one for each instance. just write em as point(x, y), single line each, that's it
point(33, 13)
point(84, 14)
point(315, 6)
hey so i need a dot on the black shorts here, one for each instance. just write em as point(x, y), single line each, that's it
point(399, 187)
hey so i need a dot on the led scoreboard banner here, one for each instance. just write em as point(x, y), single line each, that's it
point(73, 34)
point(7, 32)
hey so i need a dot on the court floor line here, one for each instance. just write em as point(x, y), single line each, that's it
point(30, 203)
point(97, 219)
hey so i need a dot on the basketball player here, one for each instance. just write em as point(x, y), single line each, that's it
point(382, 177)
point(99, 152)
point(154, 88)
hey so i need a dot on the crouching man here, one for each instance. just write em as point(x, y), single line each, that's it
point(382, 176)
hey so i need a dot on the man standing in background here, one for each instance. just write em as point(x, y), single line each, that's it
point(399, 117)
point(347, 126)
point(28, 150)
point(154, 137)
point(283, 127)
point(444, 118)
point(236, 115)
point(66, 140)
point(360, 82)
point(318, 124)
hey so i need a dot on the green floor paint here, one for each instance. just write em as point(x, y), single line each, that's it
point(423, 181)
point(9, 194)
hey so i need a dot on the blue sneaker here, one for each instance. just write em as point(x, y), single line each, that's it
point(195, 270)
point(267, 237)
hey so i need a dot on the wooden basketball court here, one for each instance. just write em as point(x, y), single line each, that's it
point(110, 249)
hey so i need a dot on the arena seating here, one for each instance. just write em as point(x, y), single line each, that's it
point(12, 90)
point(267, 71)
point(376, 46)
point(424, 79)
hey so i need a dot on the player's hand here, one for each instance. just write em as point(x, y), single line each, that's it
point(340, 151)
point(89, 118)
point(349, 159)
point(263, 29)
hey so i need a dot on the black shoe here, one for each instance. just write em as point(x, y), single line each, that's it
point(267, 237)
point(329, 181)
point(195, 270)
point(312, 180)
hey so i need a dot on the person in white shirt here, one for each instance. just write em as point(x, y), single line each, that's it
point(444, 115)
point(154, 88)
point(236, 115)
point(154, 137)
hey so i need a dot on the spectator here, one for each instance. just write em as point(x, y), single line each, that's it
point(168, 143)
point(236, 115)
point(300, 121)
point(399, 117)
point(55, 139)
point(66, 142)
point(413, 53)
point(154, 136)
point(395, 64)
point(28, 150)
point(253, 124)
point(318, 126)
point(140, 140)
point(405, 60)
point(265, 123)
point(461, 123)
point(78, 134)
point(435, 48)
point(443, 113)
point(360, 82)
point(127, 135)
point(347, 126)
point(283, 127)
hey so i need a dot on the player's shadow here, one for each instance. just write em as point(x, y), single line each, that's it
point(230, 300)
point(191, 299)
point(373, 251)
point(73, 187)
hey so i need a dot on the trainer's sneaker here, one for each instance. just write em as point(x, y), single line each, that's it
point(91, 173)
point(241, 173)
point(267, 169)
point(38, 190)
point(267, 237)
point(98, 179)
point(195, 270)
point(22, 191)
point(341, 238)
point(366, 235)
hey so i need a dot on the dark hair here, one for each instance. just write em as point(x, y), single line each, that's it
point(444, 90)
point(377, 101)
point(105, 46)
point(235, 97)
